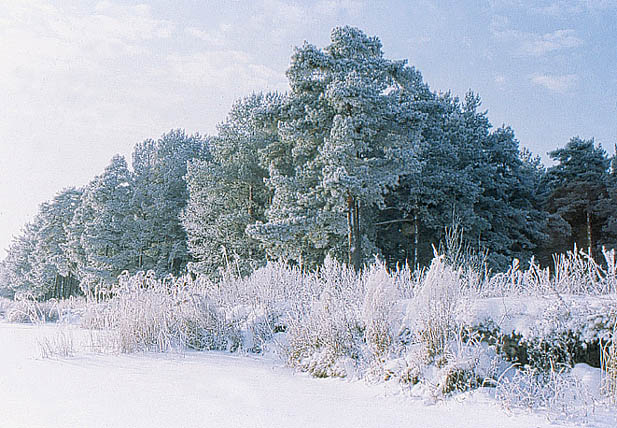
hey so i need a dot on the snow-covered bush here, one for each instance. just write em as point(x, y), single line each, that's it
point(608, 362)
point(559, 392)
point(325, 328)
point(258, 305)
point(145, 313)
point(431, 313)
point(381, 311)
point(5, 304)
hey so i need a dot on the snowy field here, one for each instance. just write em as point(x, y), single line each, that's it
point(213, 389)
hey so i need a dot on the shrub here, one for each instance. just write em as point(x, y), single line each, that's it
point(158, 315)
point(555, 391)
point(325, 329)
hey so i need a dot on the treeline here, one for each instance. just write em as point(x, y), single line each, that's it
point(359, 159)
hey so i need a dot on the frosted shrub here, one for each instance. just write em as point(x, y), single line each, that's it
point(149, 314)
point(378, 314)
point(558, 392)
point(325, 331)
point(258, 305)
point(25, 309)
point(385, 334)
point(608, 363)
point(431, 316)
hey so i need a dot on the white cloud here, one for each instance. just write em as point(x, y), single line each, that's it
point(280, 18)
point(556, 83)
point(555, 8)
point(561, 8)
point(538, 45)
point(213, 38)
point(534, 44)
point(333, 8)
point(231, 69)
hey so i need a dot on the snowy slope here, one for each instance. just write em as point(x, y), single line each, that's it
point(212, 390)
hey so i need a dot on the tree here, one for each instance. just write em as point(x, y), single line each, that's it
point(103, 228)
point(468, 177)
point(577, 196)
point(227, 191)
point(16, 268)
point(347, 134)
point(159, 196)
point(439, 194)
point(37, 262)
point(508, 202)
point(52, 267)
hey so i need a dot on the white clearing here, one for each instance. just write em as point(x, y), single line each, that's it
point(213, 389)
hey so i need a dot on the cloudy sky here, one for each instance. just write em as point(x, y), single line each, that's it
point(83, 80)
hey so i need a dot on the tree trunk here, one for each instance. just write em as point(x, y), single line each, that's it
point(353, 232)
point(357, 253)
point(589, 242)
point(250, 207)
point(349, 228)
point(70, 281)
point(415, 238)
point(56, 282)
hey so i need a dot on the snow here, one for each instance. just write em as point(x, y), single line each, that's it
point(213, 389)
point(531, 316)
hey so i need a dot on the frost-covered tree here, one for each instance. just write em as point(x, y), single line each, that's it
point(52, 267)
point(38, 262)
point(227, 191)
point(103, 229)
point(439, 194)
point(468, 177)
point(347, 133)
point(16, 268)
point(159, 196)
point(508, 202)
point(578, 198)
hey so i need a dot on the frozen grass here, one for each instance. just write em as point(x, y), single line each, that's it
point(608, 354)
point(144, 313)
point(5, 305)
point(574, 273)
point(558, 392)
point(61, 344)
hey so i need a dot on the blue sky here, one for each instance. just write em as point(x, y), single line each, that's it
point(83, 80)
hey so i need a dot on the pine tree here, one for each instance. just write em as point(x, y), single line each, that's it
point(17, 266)
point(159, 196)
point(52, 269)
point(103, 228)
point(439, 194)
point(578, 194)
point(227, 192)
point(347, 135)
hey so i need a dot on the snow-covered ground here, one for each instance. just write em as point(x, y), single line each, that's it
point(212, 389)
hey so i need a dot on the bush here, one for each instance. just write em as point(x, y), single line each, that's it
point(325, 331)
point(554, 391)
point(159, 315)
point(5, 305)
